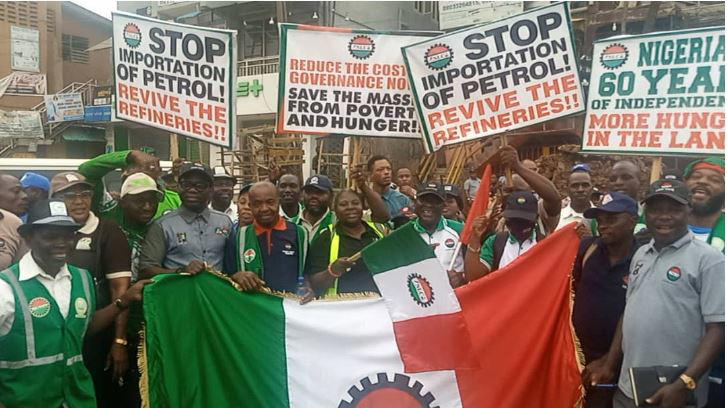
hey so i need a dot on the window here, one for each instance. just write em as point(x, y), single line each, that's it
point(75, 49)
point(424, 7)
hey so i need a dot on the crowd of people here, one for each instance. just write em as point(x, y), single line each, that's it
point(648, 280)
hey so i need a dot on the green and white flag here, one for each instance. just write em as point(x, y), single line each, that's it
point(208, 345)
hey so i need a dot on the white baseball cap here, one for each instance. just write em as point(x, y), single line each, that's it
point(139, 183)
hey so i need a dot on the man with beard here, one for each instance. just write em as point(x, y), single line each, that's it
point(317, 215)
point(674, 313)
point(705, 180)
point(289, 193)
point(224, 185)
point(12, 196)
point(191, 238)
point(440, 233)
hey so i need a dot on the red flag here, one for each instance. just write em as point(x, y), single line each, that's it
point(479, 206)
point(519, 322)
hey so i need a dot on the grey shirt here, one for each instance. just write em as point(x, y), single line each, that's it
point(182, 235)
point(672, 294)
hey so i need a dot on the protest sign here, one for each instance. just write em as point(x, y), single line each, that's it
point(175, 77)
point(21, 124)
point(24, 83)
point(347, 82)
point(64, 107)
point(495, 77)
point(660, 93)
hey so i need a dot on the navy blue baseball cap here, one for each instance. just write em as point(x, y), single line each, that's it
point(581, 167)
point(319, 182)
point(614, 203)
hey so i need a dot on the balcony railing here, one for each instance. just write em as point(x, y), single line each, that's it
point(258, 66)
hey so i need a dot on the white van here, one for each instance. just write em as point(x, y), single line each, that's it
point(50, 167)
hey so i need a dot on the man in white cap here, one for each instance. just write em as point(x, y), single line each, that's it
point(222, 192)
point(46, 308)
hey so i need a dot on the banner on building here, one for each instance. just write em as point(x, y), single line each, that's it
point(492, 78)
point(24, 83)
point(102, 95)
point(64, 107)
point(257, 94)
point(453, 14)
point(176, 77)
point(24, 49)
point(21, 124)
point(658, 94)
point(97, 113)
point(346, 82)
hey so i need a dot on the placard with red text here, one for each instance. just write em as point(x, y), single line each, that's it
point(176, 77)
point(346, 82)
point(660, 93)
point(495, 77)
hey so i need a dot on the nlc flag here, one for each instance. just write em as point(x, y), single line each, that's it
point(208, 345)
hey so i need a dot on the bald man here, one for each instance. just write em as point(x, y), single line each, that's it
point(625, 178)
point(271, 252)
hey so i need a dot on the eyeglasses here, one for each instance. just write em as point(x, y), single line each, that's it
point(70, 196)
point(188, 185)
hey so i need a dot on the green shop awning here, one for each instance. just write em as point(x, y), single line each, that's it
point(76, 134)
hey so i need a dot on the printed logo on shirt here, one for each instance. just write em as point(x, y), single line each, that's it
point(181, 237)
point(288, 250)
point(636, 268)
point(674, 273)
point(81, 308)
point(249, 255)
point(39, 307)
point(221, 231)
point(420, 290)
point(449, 243)
point(84, 244)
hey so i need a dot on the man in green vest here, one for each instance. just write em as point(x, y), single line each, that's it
point(46, 309)
point(272, 251)
point(132, 162)
point(705, 179)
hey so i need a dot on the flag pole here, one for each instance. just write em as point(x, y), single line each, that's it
point(508, 171)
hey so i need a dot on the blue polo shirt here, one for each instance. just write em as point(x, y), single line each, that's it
point(395, 202)
point(279, 248)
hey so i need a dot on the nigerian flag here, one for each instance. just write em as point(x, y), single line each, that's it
point(208, 345)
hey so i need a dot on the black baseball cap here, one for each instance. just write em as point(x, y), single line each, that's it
point(51, 212)
point(674, 189)
point(521, 204)
point(431, 188)
point(319, 182)
point(450, 189)
point(614, 203)
point(188, 167)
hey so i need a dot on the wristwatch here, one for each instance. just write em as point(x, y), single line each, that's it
point(688, 381)
point(123, 342)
